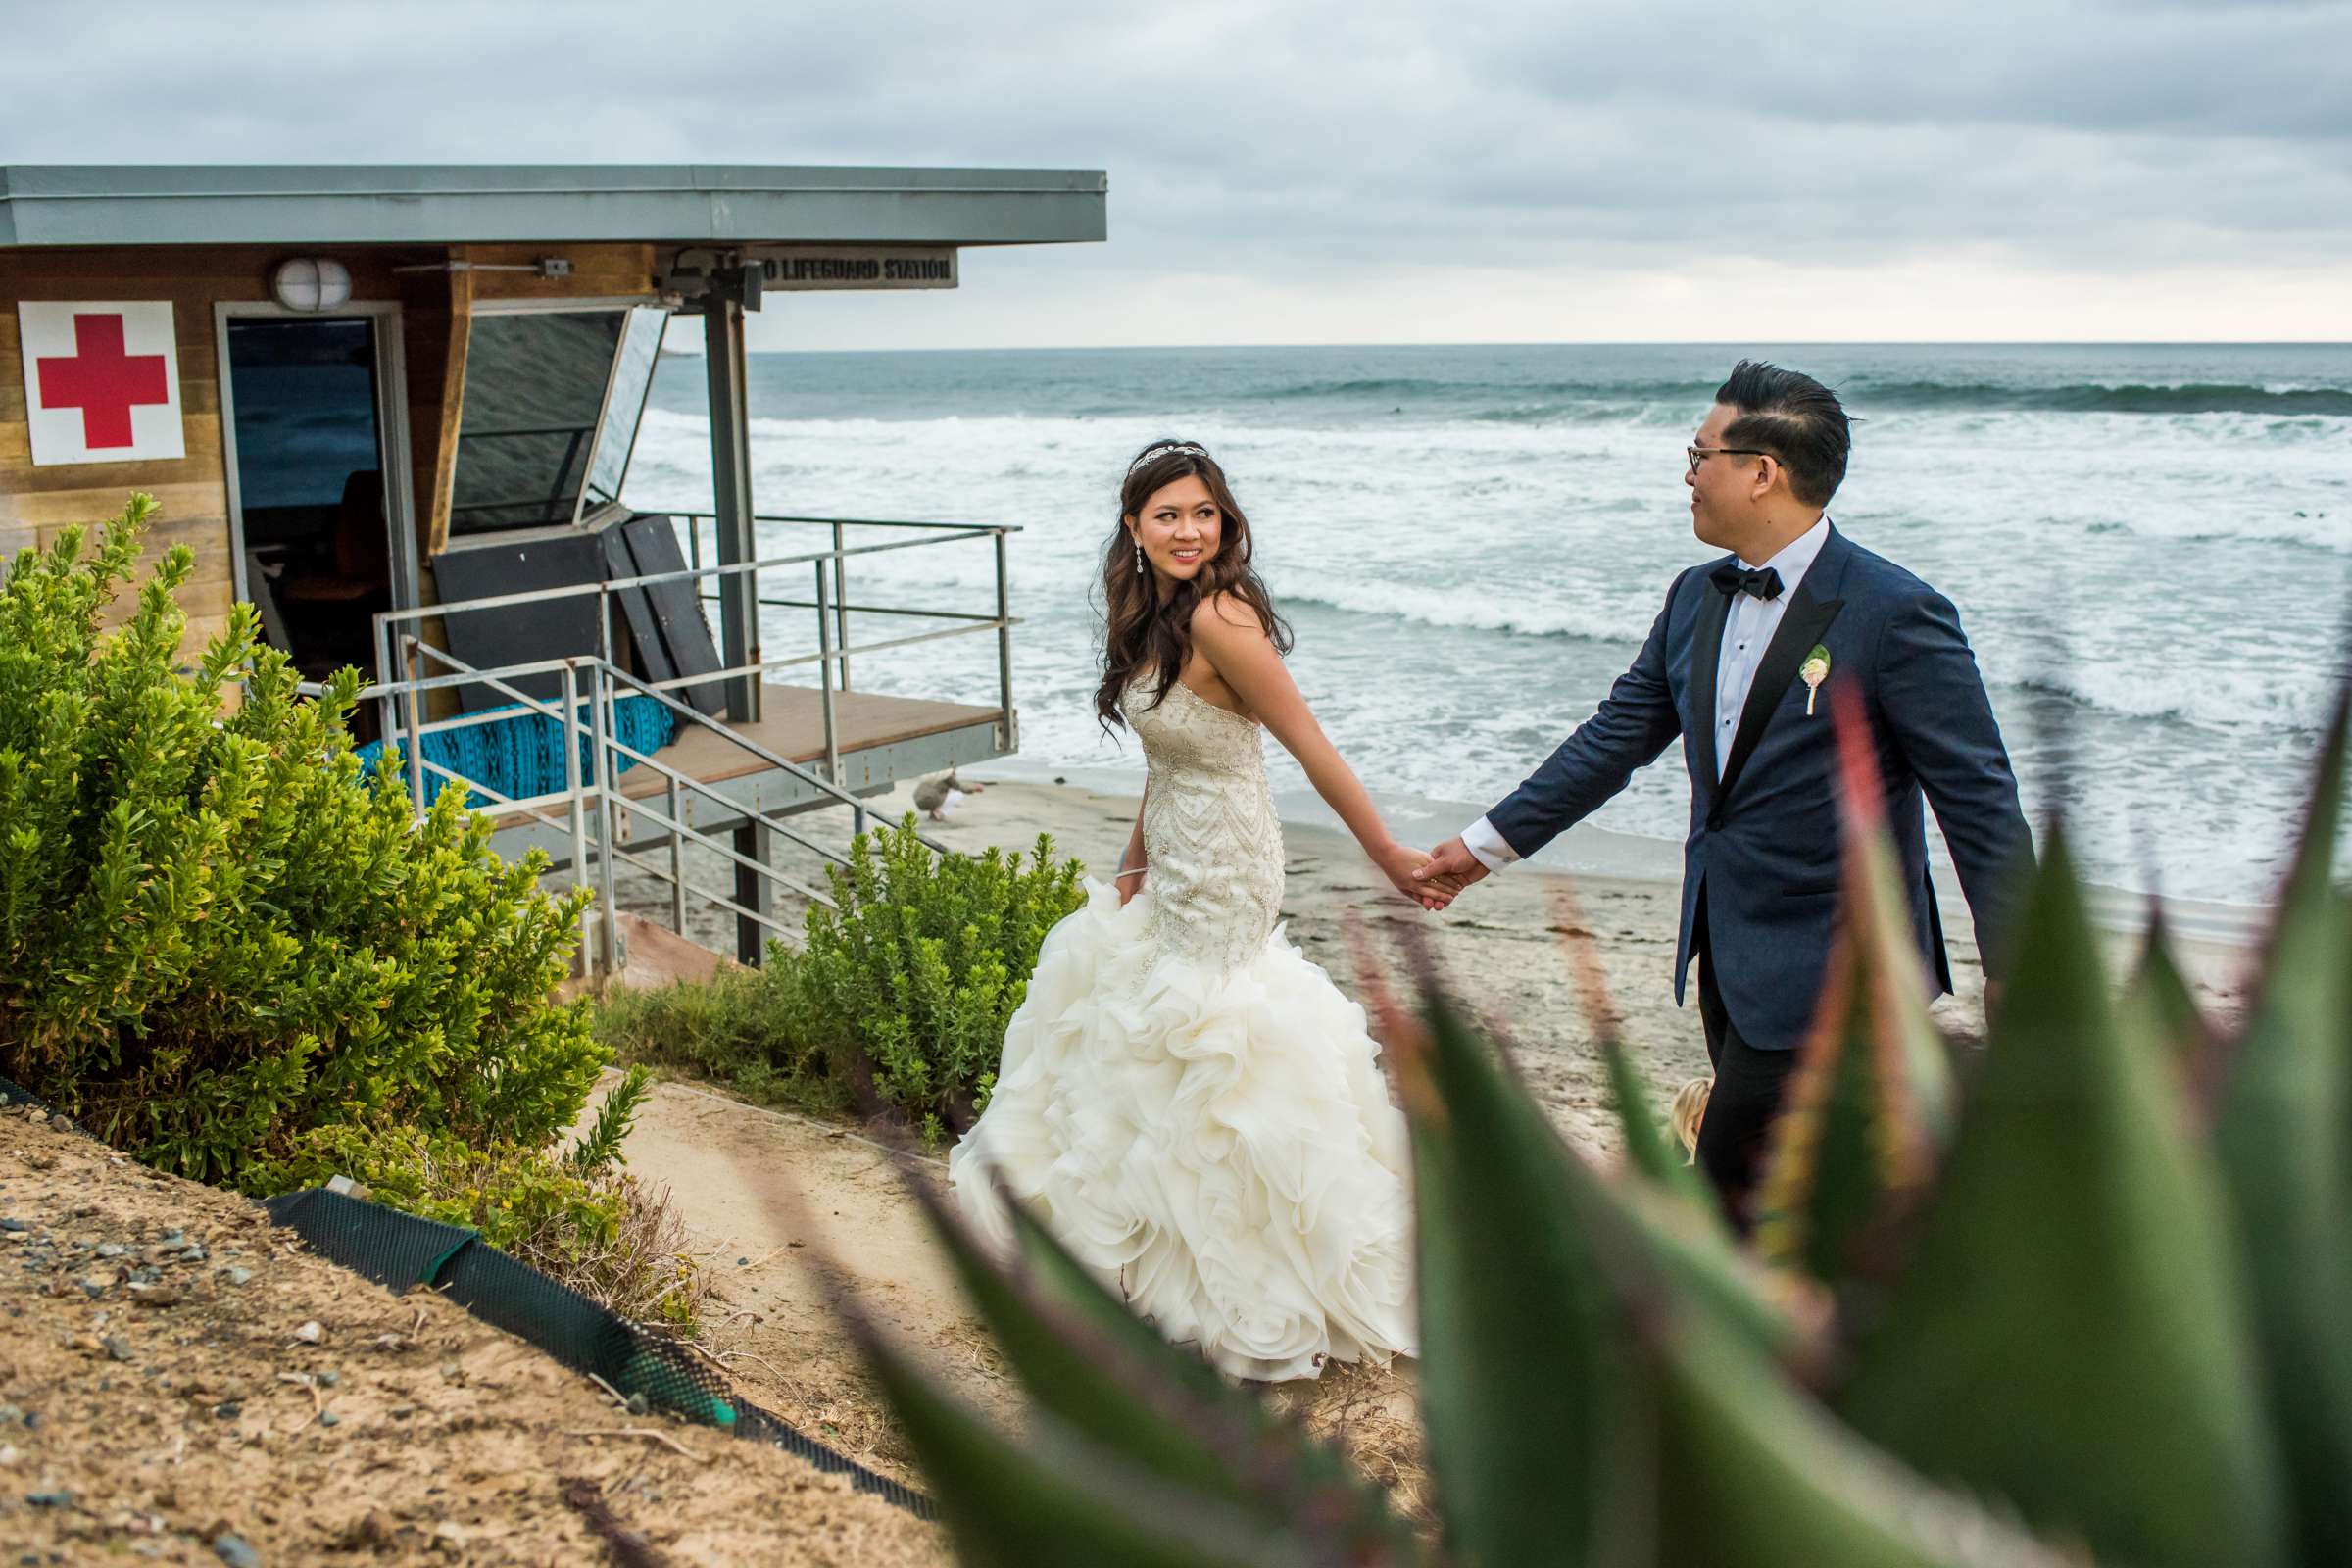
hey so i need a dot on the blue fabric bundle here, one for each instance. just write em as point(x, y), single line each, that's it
point(522, 754)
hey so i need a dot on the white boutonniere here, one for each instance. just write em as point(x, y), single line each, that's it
point(1813, 671)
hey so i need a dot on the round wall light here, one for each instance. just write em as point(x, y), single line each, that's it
point(311, 283)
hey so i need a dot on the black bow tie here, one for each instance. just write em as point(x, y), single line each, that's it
point(1732, 578)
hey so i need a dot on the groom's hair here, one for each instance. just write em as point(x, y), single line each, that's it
point(1796, 419)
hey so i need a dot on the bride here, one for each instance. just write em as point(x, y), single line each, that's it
point(1184, 1099)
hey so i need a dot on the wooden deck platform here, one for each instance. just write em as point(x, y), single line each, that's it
point(793, 726)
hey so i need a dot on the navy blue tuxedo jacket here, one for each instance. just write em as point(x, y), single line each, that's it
point(1763, 854)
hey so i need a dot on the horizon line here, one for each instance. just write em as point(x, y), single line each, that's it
point(695, 350)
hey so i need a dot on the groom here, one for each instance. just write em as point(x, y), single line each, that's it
point(1725, 668)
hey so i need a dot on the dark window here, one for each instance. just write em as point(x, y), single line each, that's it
point(535, 388)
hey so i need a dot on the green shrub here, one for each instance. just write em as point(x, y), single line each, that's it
point(2088, 1304)
point(908, 984)
point(898, 998)
point(215, 935)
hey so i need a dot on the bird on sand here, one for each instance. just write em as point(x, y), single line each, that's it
point(933, 795)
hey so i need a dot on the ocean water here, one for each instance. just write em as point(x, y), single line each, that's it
point(2150, 548)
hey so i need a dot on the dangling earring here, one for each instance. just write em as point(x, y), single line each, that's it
point(1139, 560)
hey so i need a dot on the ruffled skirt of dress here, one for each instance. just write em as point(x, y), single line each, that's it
point(1219, 1147)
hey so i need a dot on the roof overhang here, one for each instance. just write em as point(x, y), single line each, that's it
point(490, 204)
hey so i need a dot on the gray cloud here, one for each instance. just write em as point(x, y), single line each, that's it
point(2131, 136)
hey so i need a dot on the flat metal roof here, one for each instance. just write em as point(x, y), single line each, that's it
point(440, 204)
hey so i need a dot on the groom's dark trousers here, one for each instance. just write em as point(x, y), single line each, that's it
point(1761, 860)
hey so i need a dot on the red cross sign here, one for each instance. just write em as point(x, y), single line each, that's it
point(101, 382)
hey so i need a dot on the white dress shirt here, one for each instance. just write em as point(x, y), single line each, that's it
point(1746, 632)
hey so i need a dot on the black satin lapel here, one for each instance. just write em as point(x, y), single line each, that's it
point(1800, 629)
point(1706, 653)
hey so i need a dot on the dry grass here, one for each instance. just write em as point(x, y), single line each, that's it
point(649, 1273)
point(1374, 1415)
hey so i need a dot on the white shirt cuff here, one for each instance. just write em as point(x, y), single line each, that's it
point(1486, 846)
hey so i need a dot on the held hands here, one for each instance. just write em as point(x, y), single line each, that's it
point(1404, 867)
point(1449, 868)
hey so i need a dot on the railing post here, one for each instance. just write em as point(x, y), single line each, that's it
point(1012, 739)
point(841, 605)
point(411, 663)
point(571, 730)
point(386, 710)
point(677, 860)
point(608, 935)
point(824, 681)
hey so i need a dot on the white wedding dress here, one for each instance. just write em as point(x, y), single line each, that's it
point(1188, 1103)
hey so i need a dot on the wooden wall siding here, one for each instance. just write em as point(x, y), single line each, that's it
point(598, 271)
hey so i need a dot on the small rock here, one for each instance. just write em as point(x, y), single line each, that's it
point(155, 1294)
point(11, 1415)
point(193, 1252)
point(328, 1418)
point(311, 1333)
point(235, 1275)
point(96, 1285)
point(13, 1224)
point(227, 1410)
point(111, 1249)
point(231, 1549)
point(176, 1234)
point(118, 1346)
point(49, 1499)
point(329, 1379)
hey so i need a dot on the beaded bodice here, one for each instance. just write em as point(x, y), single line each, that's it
point(1210, 835)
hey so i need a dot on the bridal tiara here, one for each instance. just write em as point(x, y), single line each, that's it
point(1163, 448)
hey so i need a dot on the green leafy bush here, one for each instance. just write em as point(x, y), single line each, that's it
point(909, 984)
point(898, 998)
point(2089, 1304)
point(215, 935)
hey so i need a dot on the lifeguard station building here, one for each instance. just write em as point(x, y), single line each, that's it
point(394, 408)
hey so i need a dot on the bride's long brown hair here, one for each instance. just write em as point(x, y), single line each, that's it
point(1144, 634)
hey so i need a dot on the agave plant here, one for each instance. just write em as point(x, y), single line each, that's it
point(2084, 1298)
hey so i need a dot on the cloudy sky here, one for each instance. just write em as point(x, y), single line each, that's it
point(1294, 171)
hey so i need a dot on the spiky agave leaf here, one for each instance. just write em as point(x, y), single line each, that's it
point(1528, 1393)
point(1754, 1474)
point(1869, 1110)
point(2158, 1003)
point(2069, 1335)
point(1649, 1149)
point(2283, 1122)
point(1053, 1500)
point(1087, 1361)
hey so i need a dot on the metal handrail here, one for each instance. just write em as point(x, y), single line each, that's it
point(597, 805)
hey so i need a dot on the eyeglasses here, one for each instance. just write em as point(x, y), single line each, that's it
point(1697, 453)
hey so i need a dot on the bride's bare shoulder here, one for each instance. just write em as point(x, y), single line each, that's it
point(1224, 617)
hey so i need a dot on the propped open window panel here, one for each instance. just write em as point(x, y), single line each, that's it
point(552, 400)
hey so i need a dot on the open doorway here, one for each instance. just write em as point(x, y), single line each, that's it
point(319, 477)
